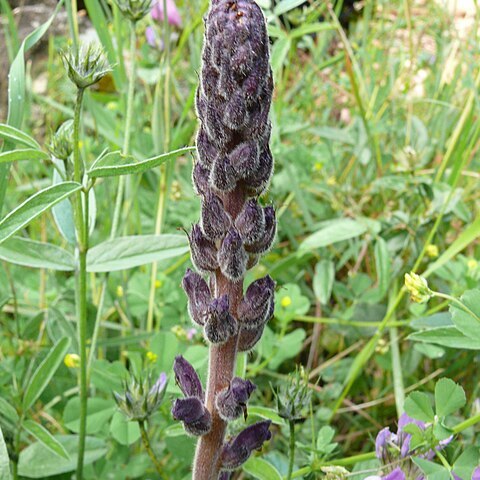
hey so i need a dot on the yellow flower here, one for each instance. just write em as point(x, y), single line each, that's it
point(151, 357)
point(417, 286)
point(432, 251)
point(472, 264)
point(286, 301)
point(72, 360)
point(158, 283)
point(179, 332)
point(331, 181)
point(120, 291)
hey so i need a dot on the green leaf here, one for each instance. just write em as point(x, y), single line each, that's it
point(337, 230)
point(46, 438)
point(447, 337)
point(4, 461)
point(261, 469)
point(8, 411)
point(114, 163)
point(25, 154)
point(99, 412)
point(285, 6)
point(287, 347)
point(29, 253)
point(418, 406)
point(433, 471)
point(468, 322)
point(128, 252)
point(323, 280)
point(123, 431)
point(15, 136)
point(44, 372)
point(37, 461)
point(35, 206)
point(279, 54)
point(467, 462)
point(266, 413)
point(449, 397)
point(382, 264)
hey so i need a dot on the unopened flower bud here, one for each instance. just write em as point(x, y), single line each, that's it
point(250, 222)
point(205, 148)
point(268, 236)
point(253, 310)
point(225, 475)
point(232, 257)
point(61, 143)
point(200, 179)
point(187, 378)
point(203, 251)
point(220, 324)
point(194, 415)
point(72, 360)
point(134, 10)
point(199, 296)
point(232, 401)
point(418, 288)
point(293, 396)
point(86, 66)
point(215, 221)
point(236, 451)
point(257, 180)
point(249, 338)
point(244, 157)
point(223, 177)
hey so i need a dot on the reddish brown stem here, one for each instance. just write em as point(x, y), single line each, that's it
point(221, 367)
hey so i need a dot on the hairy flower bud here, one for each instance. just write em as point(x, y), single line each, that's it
point(232, 401)
point(269, 233)
point(194, 415)
point(223, 177)
point(257, 180)
point(254, 309)
point(200, 179)
point(220, 324)
point(244, 157)
point(237, 450)
point(198, 294)
point(61, 143)
point(203, 251)
point(215, 221)
point(250, 223)
point(232, 257)
point(249, 338)
point(187, 378)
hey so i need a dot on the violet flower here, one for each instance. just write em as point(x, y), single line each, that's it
point(173, 15)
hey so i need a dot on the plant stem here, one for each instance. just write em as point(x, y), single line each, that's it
point(148, 448)
point(467, 423)
point(81, 226)
point(291, 426)
point(398, 386)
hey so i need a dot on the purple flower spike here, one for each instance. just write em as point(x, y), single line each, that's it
point(194, 415)
point(266, 241)
point(254, 309)
point(187, 378)
point(384, 438)
point(214, 220)
point(232, 401)
point(203, 251)
point(250, 222)
point(220, 324)
point(237, 450)
point(198, 294)
point(173, 15)
point(249, 338)
point(232, 257)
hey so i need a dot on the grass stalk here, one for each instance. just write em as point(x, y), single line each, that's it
point(291, 452)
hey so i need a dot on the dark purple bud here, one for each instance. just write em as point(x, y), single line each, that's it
point(235, 115)
point(187, 378)
point(220, 324)
point(225, 475)
point(223, 176)
point(255, 306)
point(249, 338)
point(257, 180)
point(203, 251)
point(232, 401)
point(236, 451)
point(206, 150)
point(268, 236)
point(232, 257)
point(200, 178)
point(194, 415)
point(250, 222)
point(252, 260)
point(215, 221)
point(210, 77)
point(244, 157)
point(198, 294)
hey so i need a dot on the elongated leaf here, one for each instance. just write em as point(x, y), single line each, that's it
point(279, 54)
point(35, 206)
point(114, 163)
point(285, 6)
point(7, 411)
point(447, 337)
point(16, 136)
point(45, 372)
point(261, 469)
point(129, 252)
point(46, 438)
point(37, 461)
point(63, 211)
point(4, 461)
point(24, 154)
point(323, 280)
point(29, 253)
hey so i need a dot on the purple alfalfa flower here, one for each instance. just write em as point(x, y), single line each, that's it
point(396, 474)
point(476, 474)
point(173, 15)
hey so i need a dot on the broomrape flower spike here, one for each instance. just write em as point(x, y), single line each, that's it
point(86, 66)
point(418, 288)
point(233, 169)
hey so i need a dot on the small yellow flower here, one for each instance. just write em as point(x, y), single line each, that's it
point(120, 291)
point(472, 264)
point(72, 360)
point(318, 166)
point(286, 301)
point(158, 283)
point(151, 357)
point(432, 251)
point(331, 181)
point(417, 286)
point(179, 332)
point(111, 106)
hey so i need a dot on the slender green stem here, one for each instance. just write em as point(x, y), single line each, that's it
point(291, 426)
point(470, 422)
point(148, 448)
point(165, 169)
point(16, 447)
point(398, 386)
point(81, 225)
